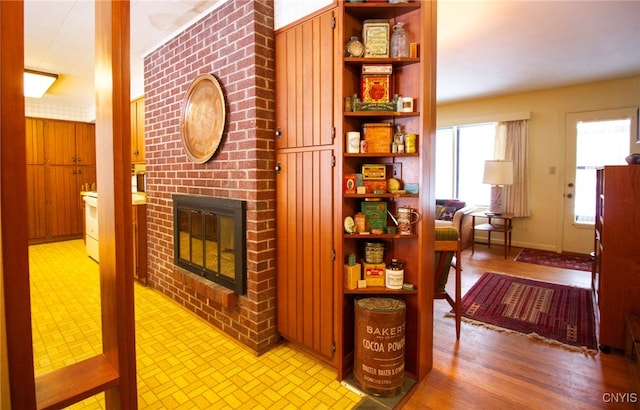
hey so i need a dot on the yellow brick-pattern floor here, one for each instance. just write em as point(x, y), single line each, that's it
point(182, 361)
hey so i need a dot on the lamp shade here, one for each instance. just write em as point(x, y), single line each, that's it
point(497, 172)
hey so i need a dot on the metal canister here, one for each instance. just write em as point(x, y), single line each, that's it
point(360, 222)
point(378, 366)
point(373, 252)
point(410, 143)
point(405, 220)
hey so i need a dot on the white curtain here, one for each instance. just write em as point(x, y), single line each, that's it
point(512, 140)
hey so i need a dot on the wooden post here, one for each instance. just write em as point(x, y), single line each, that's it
point(113, 145)
point(13, 208)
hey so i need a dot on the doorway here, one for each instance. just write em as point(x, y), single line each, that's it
point(593, 139)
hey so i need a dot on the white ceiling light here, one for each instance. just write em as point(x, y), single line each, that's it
point(36, 83)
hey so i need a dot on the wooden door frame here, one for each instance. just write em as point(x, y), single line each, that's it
point(113, 371)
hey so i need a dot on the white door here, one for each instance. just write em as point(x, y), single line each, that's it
point(593, 139)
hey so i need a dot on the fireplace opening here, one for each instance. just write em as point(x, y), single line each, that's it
point(209, 239)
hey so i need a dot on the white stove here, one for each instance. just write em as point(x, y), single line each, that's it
point(91, 224)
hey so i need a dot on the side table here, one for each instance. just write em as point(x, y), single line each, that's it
point(505, 227)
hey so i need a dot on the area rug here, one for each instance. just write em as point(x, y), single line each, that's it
point(555, 313)
point(554, 259)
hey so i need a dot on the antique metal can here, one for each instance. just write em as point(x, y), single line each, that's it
point(410, 143)
point(405, 220)
point(373, 252)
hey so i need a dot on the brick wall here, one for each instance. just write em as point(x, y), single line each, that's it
point(236, 44)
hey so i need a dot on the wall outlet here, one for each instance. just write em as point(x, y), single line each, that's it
point(397, 170)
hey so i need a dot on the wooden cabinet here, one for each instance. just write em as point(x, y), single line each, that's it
point(137, 131)
point(617, 267)
point(305, 185)
point(61, 158)
point(411, 77)
point(140, 243)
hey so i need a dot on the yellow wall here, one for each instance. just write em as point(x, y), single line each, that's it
point(546, 144)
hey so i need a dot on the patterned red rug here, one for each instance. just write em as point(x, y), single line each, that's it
point(554, 259)
point(556, 313)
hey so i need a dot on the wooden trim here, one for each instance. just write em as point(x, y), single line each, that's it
point(63, 387)
point(13, 197)
point(113, 141)
point(427, 109)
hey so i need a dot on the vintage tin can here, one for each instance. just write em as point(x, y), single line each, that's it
point(379, 136)
point(405, 220)
point(373, 252)
point(410, 143)
point(360, 222)
point(353, 142)
point(379, 351)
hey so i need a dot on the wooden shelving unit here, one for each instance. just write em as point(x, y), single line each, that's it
point(412, 77)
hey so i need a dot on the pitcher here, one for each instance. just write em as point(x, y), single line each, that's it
point(405, 219)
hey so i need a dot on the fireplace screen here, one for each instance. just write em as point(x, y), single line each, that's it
point(209, 239)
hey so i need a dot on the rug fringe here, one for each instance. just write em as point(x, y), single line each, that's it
point(579, 349)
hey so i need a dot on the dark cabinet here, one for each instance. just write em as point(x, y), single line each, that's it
point(61, 159)
point(617, 264)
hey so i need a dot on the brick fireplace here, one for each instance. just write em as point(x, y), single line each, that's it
point(235, 43)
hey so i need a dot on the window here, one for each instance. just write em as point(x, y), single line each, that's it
point(598, 143)
point(460, 155)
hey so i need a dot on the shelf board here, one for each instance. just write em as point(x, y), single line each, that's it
point(379, 290)
point(387, 195)
point(380, 10)
point(379, 236)
point(381, 114)
point(380, 154)
point(396, 62)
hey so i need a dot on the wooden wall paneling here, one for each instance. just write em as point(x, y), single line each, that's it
point(325, 276)
point(37, 221)
point(308, 77)
point(85, 136)
point(36, 187)
point(63, 201)
point(34, 134)
point(282, 91)
point(60, 140)
point(305, 184)
point(282, 226)
point(324, 112)
point(305, 264)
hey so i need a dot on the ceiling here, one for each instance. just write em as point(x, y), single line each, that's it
point(485, 48)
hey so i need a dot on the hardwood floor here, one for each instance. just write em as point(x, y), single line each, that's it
point(496, 370)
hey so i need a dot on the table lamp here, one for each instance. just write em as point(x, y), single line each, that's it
point(497, 173)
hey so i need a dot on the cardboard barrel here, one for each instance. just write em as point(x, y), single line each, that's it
point(378, 367)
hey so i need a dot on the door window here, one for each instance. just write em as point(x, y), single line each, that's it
point(598, 143)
